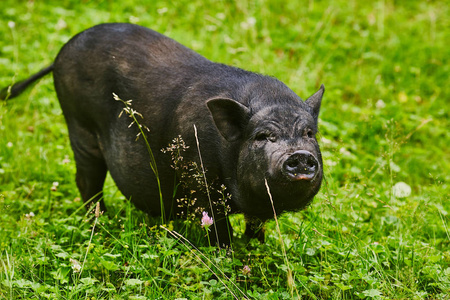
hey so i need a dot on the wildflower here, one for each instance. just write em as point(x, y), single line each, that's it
point(380, 104)
point(206, 220)
point(76, 266)
point(162, 10)
point(29, 216)
point(401, 190)
point(54, 186)
point(66, 160)
point(61, 24)
point(249, 23)
point(246, 270)
point(134, 19)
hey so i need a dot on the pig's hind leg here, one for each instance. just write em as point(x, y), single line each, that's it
point(90, 164)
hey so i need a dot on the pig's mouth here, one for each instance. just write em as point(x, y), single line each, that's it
point(300, 166)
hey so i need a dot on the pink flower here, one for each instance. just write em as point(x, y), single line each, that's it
point(246, 270)
point(206, 220)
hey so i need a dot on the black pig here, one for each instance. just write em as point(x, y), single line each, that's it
point(251, 127)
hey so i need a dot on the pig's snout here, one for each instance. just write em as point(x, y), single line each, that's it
point(301, 165)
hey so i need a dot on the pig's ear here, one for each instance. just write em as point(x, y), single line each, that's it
point(314, 102)
point(230, 117)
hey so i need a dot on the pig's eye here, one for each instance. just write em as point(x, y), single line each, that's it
point(265, 136)
point(309, 133)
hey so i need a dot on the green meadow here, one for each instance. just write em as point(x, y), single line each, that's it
point(379, 227)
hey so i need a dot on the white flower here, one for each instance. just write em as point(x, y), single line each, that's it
point(401, 190)
point(54, 186)
point(76, 266)
point(29, 215)
point(249, 23)
point(162, 10)
point(380, 104)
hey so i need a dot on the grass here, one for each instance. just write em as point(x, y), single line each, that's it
point(384, 120)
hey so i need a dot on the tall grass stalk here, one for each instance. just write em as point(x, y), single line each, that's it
point(444, 224)
point(12, 26)
point(290, 275)
point(97, 215)
point(9, 274)
point(132, 113)
point(206, 185)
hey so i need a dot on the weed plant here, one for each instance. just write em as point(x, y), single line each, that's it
point(377, 230)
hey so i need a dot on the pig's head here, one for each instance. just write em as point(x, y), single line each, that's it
point(276, 142)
